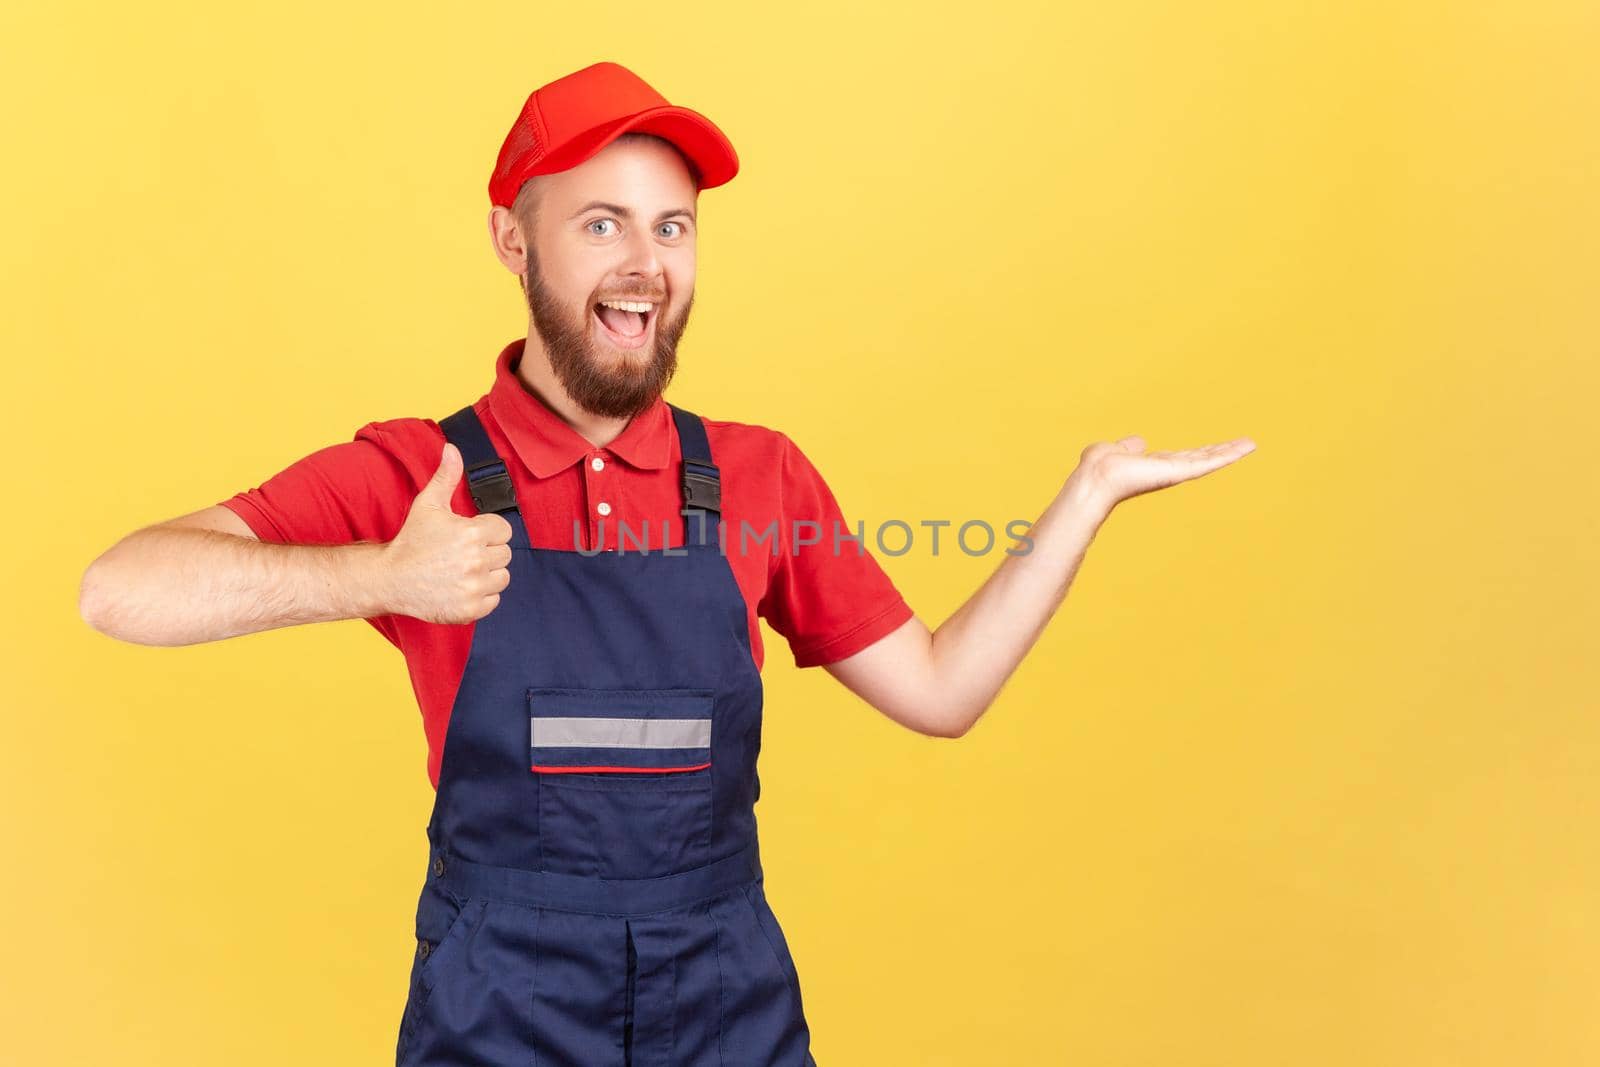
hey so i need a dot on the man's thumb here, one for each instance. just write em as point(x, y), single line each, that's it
point(442, 486)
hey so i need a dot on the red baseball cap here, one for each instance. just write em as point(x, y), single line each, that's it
point(570, 119)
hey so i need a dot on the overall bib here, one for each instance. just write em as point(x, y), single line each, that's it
point(594, 894)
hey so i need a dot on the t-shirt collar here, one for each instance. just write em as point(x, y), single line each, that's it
point(546, 444)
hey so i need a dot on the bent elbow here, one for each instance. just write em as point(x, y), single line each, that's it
point(99, 602)
point(953, 724)
point(92, 606)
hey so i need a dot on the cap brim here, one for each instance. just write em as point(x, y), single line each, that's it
point(697, 137)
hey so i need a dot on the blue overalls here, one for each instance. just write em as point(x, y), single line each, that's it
point(594, 894)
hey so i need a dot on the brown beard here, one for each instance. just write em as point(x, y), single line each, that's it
point(619, 392)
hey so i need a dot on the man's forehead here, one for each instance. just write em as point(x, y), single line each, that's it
point(634, 195)
point(677, 208)
point(643, 177)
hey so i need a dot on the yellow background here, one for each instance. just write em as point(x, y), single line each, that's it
point(1305, 769)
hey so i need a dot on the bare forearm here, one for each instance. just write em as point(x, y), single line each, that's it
point(167, 585)
point(941, 682)
point(978, 647)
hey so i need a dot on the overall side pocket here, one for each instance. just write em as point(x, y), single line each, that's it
point(755, 894)
point(440, 937)
point(435, 953)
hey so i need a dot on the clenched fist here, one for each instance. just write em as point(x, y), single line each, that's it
point(446, 567)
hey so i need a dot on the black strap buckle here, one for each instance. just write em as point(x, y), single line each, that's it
point(702, 486)
point(490, 485)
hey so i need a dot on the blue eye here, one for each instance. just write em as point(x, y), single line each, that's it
point(679, 225)
point(597, 222)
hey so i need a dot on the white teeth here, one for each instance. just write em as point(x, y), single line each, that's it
point(628, 305)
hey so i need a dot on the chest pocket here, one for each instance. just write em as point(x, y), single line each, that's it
point(624, 779)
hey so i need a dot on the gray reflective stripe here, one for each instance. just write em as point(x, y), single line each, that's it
point(586, 732)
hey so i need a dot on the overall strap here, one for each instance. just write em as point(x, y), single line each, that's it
point(487, 477)
point(702, 482)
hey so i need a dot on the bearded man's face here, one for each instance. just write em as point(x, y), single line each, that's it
point(610, 370)
point(619, 226)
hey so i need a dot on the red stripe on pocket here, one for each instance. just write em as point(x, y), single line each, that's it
point(642, 770)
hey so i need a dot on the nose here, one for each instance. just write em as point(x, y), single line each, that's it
point(640, 257)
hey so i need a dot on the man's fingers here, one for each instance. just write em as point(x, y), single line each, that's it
point(442, 486)
point(494, 529)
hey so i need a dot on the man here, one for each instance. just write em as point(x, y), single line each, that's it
point(594, 892)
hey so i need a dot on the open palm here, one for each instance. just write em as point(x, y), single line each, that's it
point(1117, 470)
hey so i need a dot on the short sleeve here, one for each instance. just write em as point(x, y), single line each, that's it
point(828, 596)
point(360, 490)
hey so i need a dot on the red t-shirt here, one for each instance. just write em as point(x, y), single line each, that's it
point(827, 603)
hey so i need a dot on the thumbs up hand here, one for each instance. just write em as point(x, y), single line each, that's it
point(446, 567)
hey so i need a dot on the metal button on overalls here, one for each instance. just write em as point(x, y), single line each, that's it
point(595, 895)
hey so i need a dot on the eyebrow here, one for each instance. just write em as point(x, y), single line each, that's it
point(618, 209)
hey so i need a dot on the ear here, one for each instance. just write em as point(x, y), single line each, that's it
point(509, 241)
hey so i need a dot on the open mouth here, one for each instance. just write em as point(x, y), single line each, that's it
point(625, 329)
